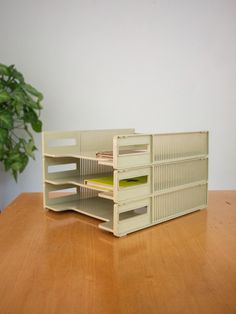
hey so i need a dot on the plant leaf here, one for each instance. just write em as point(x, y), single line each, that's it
point(35, 105)
point(29, 148)
point(37, 126)
point(4, 97)
point(17, 75)
point(15, 175)
point(11, 158)
point(24, 161)
point(33, 91)
point(19, 96)
point(4, 70)
point(19, 110)
point(16, 161)
point(6, 120)
point(1, 152)
point(3, 135)
point(19, 107)
point(30, 116)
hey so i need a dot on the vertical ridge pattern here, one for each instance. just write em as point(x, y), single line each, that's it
point(173, 203)
point(170, 175)
point(180, 145)
point(87, 167)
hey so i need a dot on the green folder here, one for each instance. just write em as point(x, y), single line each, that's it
point(107, 182)
point(132, 181)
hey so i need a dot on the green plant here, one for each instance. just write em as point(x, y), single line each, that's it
point(19, 115)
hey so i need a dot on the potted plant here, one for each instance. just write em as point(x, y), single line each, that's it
point(20, 105)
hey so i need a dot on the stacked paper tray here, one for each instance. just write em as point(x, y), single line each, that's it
point(136, 180)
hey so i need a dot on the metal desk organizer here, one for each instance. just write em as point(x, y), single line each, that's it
point(175, 167)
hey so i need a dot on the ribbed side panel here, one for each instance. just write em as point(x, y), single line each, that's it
point(100, 139)
point(92, 167)
point(175, 174)
point(87, 193)
point(87, 167)
point(180, 145)
point(174, 203)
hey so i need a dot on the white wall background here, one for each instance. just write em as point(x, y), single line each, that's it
point(156, 65)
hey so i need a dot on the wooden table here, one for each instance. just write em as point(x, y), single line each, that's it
point(62, 263)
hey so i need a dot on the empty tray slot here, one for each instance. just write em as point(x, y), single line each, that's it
point(62, 192)
point(133, 149)
point(133, 213)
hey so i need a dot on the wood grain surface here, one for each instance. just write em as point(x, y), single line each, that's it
point(62, 263)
